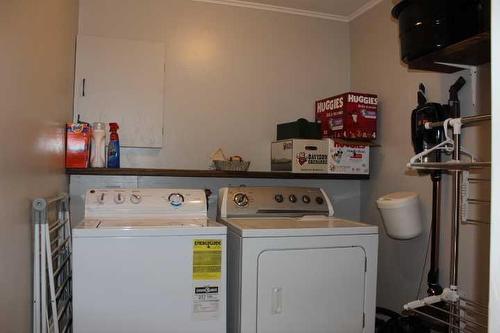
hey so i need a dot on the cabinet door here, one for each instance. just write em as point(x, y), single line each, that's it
point(311, 290)
point(120, 80)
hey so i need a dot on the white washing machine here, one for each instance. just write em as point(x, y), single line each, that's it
point(293, 267)
point(148, 260)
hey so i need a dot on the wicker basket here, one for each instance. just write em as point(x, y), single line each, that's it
point(232, 165)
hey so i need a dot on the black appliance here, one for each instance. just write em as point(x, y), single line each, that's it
point(428, 25)
point(299, 129)
point(423, 138)
point(388, 321)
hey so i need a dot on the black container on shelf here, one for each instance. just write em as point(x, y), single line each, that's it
point(429, 25)
point(299, 129)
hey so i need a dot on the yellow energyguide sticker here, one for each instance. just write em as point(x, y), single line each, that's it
point(207, 259)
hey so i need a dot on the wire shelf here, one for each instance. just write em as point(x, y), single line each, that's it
point(451, 166)
point(459, 316)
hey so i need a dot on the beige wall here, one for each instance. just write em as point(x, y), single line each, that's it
point(232, 73)
point(36, 66)
point(376, 68)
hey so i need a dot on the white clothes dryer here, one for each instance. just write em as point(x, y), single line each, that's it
point(293, 267)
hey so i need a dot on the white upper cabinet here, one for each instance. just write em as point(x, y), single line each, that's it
point(120, 80)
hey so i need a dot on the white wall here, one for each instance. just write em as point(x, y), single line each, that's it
point(494, 306)
point(36, 91)
point(376, 68)
point(232, 73)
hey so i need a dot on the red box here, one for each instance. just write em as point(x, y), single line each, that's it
point(348, 116)
point(77, 145)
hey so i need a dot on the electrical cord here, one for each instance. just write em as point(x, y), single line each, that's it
point(425, 263)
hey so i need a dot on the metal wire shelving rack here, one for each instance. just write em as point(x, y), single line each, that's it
point(451, 309)
point(52, 308)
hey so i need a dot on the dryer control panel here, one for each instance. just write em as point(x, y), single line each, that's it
point(273, 201)
point(150, 203)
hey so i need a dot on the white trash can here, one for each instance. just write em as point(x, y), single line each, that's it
point(401, 214)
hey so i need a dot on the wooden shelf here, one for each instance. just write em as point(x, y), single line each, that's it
point(208, 173)
point(473, 51)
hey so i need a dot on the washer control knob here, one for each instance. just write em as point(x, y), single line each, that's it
point(135, 198)
point(319, 200)
point(100, 198)
point(176, 199)
point(278, 198)
point(292, 198)
point(119, 198)
point(241, 199)
point(306, 199)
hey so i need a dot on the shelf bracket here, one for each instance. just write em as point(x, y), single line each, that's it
point(473, 72)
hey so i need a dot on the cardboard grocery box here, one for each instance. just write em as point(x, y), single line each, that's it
point(348, 158)
point(319, 156)
point(299, 156)
point(348, 116)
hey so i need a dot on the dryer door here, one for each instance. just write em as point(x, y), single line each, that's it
point(311, 290)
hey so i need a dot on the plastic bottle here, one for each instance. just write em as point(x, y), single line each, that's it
point(98, 146)
point(113, 146)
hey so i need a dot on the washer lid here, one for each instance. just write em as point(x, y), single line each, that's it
point(147, 227)
point(305, 226)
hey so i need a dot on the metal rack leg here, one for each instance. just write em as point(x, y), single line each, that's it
point(455, 231)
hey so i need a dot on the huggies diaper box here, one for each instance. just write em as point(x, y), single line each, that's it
point(351, 116)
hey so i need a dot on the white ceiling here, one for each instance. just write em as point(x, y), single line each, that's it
point(333, 7)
